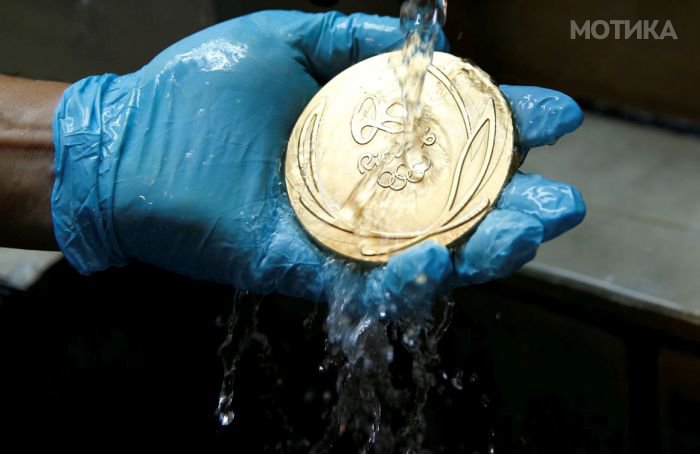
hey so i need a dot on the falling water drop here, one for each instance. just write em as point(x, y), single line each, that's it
point(457, 381)
point(226, 417)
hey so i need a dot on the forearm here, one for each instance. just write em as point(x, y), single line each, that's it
point(26, 161)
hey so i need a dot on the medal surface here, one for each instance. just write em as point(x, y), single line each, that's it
point(360, 190)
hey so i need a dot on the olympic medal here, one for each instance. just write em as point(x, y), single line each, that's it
point(364, 189)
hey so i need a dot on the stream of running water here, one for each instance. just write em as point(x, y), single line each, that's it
point(378, 412)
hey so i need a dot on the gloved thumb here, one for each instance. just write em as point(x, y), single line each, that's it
point(409, 282)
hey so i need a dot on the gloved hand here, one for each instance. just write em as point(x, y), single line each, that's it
point(179, 165)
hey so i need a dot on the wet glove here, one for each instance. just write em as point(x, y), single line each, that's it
point(179, 165)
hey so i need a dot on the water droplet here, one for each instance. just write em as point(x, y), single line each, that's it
point(389, 354)
point(457, 381)
point(226, 418)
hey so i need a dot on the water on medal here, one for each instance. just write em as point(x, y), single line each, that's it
point(421, 22)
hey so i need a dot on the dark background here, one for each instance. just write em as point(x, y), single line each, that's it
point(516, 41)
point(130, 355)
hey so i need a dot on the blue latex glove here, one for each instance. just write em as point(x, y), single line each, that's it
point(178, 165)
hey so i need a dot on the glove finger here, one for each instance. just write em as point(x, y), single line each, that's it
point(333, 41)
point(410, 280)
point(558, 206)
point(503, 242)
point(542, 115)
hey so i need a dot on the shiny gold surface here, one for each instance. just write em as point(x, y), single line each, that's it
point(359, 191)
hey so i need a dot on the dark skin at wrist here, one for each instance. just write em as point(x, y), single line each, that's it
point(26, 162)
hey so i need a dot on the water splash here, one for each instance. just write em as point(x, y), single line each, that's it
point(370, 391)
point(242, 330)
point(385, 371)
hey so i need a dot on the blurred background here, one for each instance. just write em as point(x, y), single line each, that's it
point(593, 347)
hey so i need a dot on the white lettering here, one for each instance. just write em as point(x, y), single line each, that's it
point(594, 29)
point(668, 31)
point(640, 29)
point(584, 31)
point(617, 24)
point(637, 28)
point(650, 29)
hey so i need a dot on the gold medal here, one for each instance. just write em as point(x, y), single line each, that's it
point(359, 189)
